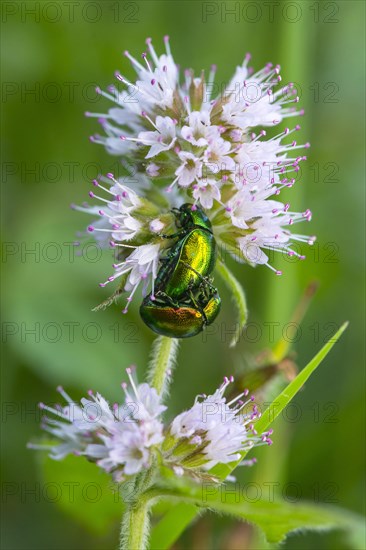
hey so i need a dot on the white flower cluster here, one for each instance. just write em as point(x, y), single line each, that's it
point(212, 152)
point(214, 431)
point(118, 438)
point(121, 439)
point(129, 224)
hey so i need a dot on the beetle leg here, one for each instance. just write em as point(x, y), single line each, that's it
point(173, 235)
point(205, 281)
point(197, 306)
point(166, 298)
point(164, 260)
point(207, 284)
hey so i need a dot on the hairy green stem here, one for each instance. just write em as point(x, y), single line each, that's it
point(238, 296)
point(136, 523)
point(163, 356)
point(135, 526)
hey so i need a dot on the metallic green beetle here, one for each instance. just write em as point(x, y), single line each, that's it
point(191, 258)
point(185, 301)
point(184, 320)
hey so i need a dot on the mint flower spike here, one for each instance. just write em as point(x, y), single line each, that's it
point(119, 439)
point(213, 431)
point(123, 439)
point(213, 151)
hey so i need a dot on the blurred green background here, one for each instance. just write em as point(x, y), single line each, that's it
point(53, 56)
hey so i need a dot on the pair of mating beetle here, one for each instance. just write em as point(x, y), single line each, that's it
point(185, 300)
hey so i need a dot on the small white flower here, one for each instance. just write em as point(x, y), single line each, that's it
point(156, 226)
point(150, 406)
point(178, 470)
point(152, 169)
point(206, 193)
point(160, 140)
point(128, 229)
point(141, 266)
point(215, 431)
point(117, 219)
point(246, 206)
point(251, 250)
point(217, 156)
point(196, 131)
point(128, 448)
point(190, 170)
point(119, 438)
point(156, 86)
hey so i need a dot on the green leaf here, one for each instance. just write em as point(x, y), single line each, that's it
point(238, 297)
point(276, 518)
point(321, 520)
point(283, 399)
point(179, 517)
point(282, 348)
point(83, 492)
point(291, 390)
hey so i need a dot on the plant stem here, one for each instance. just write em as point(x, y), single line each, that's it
point(135, 526)
point(238, 297)
point(135, 523)
point(164, 353)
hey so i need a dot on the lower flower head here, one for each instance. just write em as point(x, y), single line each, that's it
point(123, 439)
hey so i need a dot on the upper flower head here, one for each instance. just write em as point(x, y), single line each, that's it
point(187, 145)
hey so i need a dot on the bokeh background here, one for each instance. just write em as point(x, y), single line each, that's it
point(53, 56)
